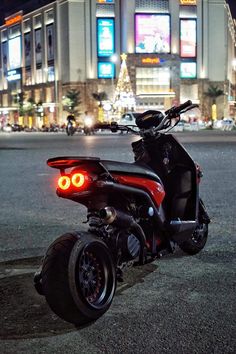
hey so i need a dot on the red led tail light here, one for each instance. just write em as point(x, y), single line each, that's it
point(77, 180)
point(64, 183)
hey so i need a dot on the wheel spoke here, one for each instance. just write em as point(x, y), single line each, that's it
point(90, 276)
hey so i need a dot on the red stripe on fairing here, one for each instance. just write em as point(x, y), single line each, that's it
point(154, 189)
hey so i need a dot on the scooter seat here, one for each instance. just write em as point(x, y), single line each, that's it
point(135, 168)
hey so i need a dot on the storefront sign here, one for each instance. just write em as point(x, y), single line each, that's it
point(188, 2)
point(12, 20)
point(13, 75)
point(152, 60)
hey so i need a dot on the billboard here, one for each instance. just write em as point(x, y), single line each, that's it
point(14, 52)
point(188, 70)
point(27, 42)
point(188, 38)
point(4, 58)
point(50, 42)
point(106, 70)
point(105, 37)
point(38, 45)
point(152, 33)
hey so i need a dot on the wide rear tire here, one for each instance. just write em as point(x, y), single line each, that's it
point(78, 277)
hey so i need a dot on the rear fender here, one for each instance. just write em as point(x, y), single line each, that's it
point(88, 196)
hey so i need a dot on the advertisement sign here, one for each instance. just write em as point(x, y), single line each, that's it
point(11, 21)
point(106, 70)
point(38, 45)
point(14, 75)
point(105, 1)
point(153, 61)
point(14, 52)
point(152, 33)
point(27, 42)
point(4, 58)
point(188, 2)
point(50, 42)
point(188, 70)
point(188, 38)
point(105, 36)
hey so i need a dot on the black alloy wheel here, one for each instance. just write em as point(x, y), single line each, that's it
point(78, 277)
point(92, 277)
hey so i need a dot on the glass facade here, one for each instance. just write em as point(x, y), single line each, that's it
point(152, 80)
point(164, 41)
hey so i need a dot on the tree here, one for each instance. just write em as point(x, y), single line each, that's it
point(19, 99)
point(100, 97)
point(71, 101)
point(213, 93)
point(124, 96)
point(30, 106)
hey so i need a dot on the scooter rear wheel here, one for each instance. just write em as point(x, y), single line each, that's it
point(78, 277)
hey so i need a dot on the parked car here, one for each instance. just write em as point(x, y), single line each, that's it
point(224, 124)
point(128, 118)
point(228, 124)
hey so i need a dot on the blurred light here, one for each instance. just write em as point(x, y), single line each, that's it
point(114, 58)
point(78, 180)
point(64, 182)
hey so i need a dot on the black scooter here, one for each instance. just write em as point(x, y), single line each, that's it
point(136, 212)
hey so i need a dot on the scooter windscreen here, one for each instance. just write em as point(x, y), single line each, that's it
point(149, 119)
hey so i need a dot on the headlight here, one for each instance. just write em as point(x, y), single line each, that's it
point(88, 122)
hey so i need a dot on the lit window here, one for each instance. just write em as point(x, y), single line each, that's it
point(28, 78)
point(51, 75)
point(152, 80)
point(39, 76)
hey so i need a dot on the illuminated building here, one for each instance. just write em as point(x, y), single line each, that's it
point(175, 50)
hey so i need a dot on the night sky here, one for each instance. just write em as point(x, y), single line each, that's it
point(232, 4)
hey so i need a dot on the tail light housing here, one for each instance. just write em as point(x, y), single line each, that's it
point(78, 180)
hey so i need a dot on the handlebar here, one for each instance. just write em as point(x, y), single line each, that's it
point(182, 106)
point(174, 111)
point(150, 119)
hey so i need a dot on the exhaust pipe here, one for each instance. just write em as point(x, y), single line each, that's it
point(110, 215)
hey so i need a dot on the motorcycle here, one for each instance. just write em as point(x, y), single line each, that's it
point(136, 213)
point(70, 128)
point(88, 126)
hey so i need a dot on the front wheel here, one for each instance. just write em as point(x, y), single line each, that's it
point(198, 239)
point(78, 277)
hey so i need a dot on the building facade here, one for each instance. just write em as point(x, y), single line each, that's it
point(176, 50)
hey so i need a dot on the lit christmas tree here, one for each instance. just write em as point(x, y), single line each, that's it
point(124, 97)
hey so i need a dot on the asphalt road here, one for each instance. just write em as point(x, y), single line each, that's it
point(178, 304)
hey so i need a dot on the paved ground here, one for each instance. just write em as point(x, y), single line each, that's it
point(178, 304)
